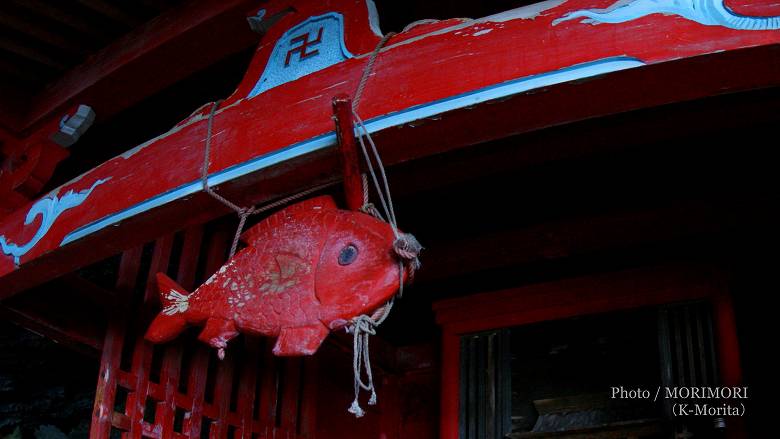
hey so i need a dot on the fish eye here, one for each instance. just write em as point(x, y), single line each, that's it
point(348, 255)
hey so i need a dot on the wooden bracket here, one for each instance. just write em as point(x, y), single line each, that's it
point(345, 133)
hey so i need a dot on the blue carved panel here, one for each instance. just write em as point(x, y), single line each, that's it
point(706, 12)
point(308, 47)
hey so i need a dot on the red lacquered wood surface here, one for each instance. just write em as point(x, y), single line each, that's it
point(692, 61)
point(350, 161)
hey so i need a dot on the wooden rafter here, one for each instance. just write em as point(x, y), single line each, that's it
point(111, 12)
point(88, 342)
point(198, 34)
point(40, 33)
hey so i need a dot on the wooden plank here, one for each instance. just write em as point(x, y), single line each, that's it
point(704, 62)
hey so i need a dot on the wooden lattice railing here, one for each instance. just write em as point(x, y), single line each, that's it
point(182, 389)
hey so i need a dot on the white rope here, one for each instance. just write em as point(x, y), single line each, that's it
point(383, 189)
point(361, 328)
point(243, 212)
point(405, 246)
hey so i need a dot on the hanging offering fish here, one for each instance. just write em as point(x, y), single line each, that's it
point(306, 270)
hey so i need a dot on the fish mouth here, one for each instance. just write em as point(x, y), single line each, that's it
point(407, 249)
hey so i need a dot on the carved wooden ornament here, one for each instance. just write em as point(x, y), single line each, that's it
point(307, 269)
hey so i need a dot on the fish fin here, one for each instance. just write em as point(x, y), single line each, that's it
point(217, 333)
point(171, 321)
point(300, 340)
point(174, 298)
point(323, 202)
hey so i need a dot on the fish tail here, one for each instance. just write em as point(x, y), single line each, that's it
point(171, 321)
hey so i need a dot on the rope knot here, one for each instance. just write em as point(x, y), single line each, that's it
point(408, 248)
point(356, 410)
point(362, 324)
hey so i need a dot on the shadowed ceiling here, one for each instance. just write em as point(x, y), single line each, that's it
point(40, 39)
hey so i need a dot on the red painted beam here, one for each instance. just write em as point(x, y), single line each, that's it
point(132, 68)
point(706, 61)
point(681, 80)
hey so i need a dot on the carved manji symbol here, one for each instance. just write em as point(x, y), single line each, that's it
point(302, 49)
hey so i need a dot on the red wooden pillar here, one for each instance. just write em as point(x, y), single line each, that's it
point(105, 393)
point(248, 386)
point(196, 386)
point(450, 385)
point(215, 256)
point(170, 375)
point(269, 393)
point(308, 415)
point(390, 422)
point(142, 356)
point(222, 391)
point(290, 396)
point(728, 355)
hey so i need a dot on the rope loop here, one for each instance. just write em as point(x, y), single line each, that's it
point(361, 327)
point(405, 245)
point(246, 211)
point(368, 69)
point(243, 212)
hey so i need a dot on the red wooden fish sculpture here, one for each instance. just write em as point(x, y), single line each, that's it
point(307, 269)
